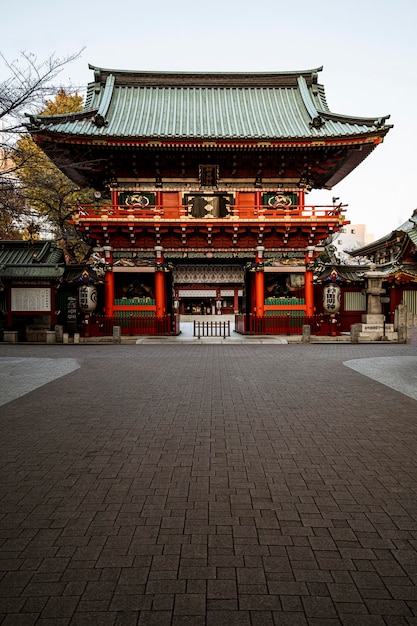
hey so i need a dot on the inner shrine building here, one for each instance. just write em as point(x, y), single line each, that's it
point(200, 182)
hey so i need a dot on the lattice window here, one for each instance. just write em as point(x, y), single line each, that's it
point(410, 300)
point(354, 301)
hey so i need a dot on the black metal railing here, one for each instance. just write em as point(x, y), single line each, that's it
point(211, 329)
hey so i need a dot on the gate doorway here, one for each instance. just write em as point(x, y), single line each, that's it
point(198, 306)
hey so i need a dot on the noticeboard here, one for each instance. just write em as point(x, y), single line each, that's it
point(33, 299)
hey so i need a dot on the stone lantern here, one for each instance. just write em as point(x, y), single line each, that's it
point(373, 327)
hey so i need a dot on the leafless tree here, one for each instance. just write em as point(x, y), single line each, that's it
point(25, 85)
point(28, 83)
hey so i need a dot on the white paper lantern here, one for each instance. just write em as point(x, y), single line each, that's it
point(331, 298)
point(87, 298)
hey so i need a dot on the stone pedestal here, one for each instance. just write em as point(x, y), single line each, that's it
point(59, 333)
point(117, 334)
point(50, 336)
point(373, 327)
point(11, 336)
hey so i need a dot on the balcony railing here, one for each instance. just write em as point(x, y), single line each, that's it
point(96, 212)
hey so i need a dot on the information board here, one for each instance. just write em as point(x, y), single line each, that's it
point(31, 299)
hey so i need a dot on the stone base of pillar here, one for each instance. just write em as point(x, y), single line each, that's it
point(363, 333)
point(372, 318)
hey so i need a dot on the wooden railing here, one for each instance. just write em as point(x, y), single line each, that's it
point(92, 212)
point(102, 325)
point(284, 324)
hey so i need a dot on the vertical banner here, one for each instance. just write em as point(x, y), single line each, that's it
point(72, 325)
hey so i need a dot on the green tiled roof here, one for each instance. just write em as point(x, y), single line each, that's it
point(221, 106)
point(408, 229)
point(31, 261)
point(346, 273)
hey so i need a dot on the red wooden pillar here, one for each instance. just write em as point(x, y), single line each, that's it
point(108, 283)
point(114, 198)
point(258, 201)
point(160, 296)
point(308, 282)
point(109, 293)
point(309, 293)
point(260, 282)
point(252, 292)
point(236, 300)
point(158, 200)
point(396, 294)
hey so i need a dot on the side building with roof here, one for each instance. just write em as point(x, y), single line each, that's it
point(201, 184)
point(31, 274)
point(394, 257)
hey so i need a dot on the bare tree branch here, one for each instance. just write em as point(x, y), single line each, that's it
point(27, 85)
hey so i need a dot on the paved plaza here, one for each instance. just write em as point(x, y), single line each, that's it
point(202, 484)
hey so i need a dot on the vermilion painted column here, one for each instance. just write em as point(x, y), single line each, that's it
point(309, 293)
point(108, 283)
point(260, 292)
point(252, 293)
point(236, 300)
point(258, 200)
point(260, 282)
point(301, 199)
point(109, 293)
point(159, 282)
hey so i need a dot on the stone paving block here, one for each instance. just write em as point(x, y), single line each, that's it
point(194, 485)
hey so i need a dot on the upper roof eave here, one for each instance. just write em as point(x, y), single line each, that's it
point(379, 122)
point(176, 104)
point(192, 78)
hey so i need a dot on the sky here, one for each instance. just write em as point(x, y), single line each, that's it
point(367, 48)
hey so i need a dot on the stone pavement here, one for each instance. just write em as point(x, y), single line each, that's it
point(208, 485)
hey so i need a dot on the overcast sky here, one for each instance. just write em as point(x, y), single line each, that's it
point(367, 48)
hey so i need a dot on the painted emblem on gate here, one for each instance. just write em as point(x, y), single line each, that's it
point(280, 200)
point(137, 201)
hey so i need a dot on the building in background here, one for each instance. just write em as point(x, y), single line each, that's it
point(349, 238)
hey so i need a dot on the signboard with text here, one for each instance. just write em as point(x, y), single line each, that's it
point(72, 325)
point(31, 299)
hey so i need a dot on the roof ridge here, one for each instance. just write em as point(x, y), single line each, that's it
point(214, 79)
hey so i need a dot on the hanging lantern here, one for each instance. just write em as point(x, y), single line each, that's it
point(331, 298)
point(87, 298)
